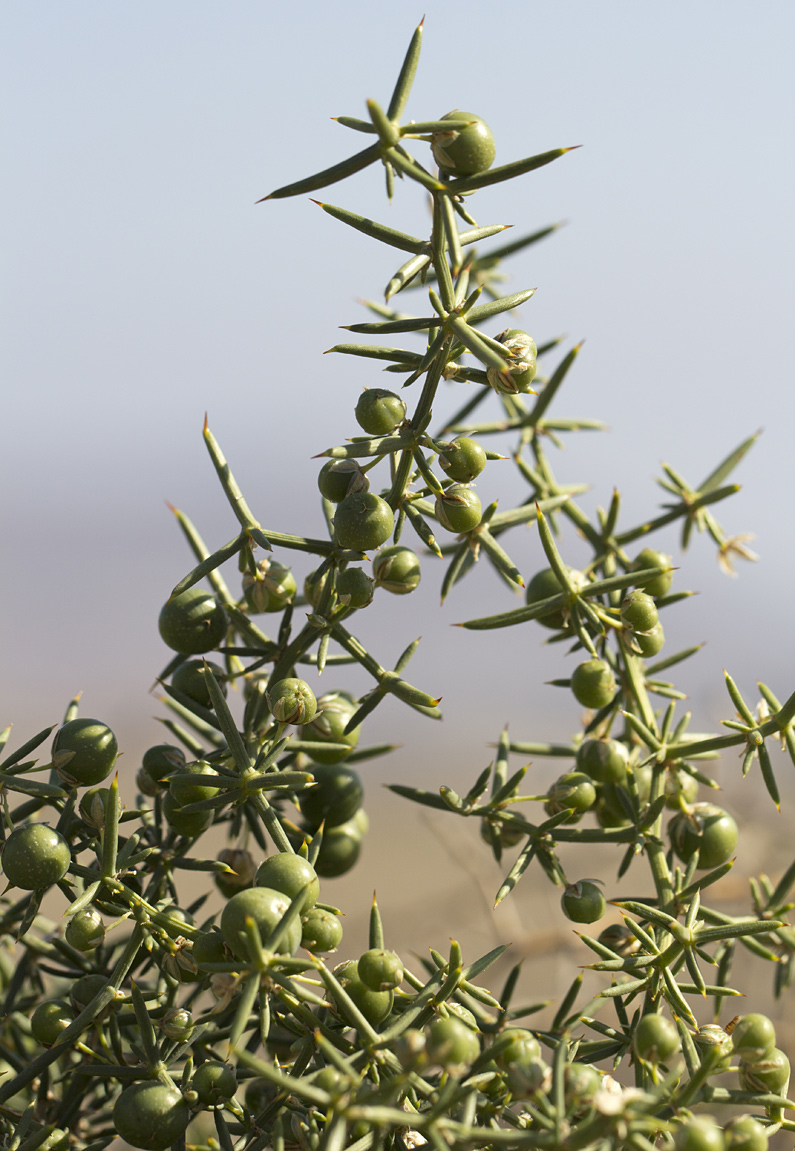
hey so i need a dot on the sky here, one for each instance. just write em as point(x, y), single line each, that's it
point(145, 286)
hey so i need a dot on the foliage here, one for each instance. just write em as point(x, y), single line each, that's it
point(138, 1017)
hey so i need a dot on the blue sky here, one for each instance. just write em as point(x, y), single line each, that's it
point(145, 287)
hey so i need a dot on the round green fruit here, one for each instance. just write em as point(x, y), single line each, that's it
point(35, 857)
point(452, 1045)
point(656, 1038)
point(463, 460)
point(292, 701)
point(770, 1073)
point(328, 726)
point(650, 643)
point(151, 1115)
point(583, 902)
point(84, 752)
point(593, 683)
point(745, 1134)
point(374, 1005)
point(520, 371)
point(363, 521)
point(658, 585)
point(699, 1133)
point(208, 947)
point(243, 866)
point(464, 151)
point(177, 1023)
point(458, 509)
point(545, 584)
point(604, 760)
point(380, 970)
point(341, 847)
point(266, 907)
point(86, 930)
point(397, 570)
point(705, 830)
point(753, 1036)
point(214, 1082)
point(379, 411)
point(321, 930)
point(340, 478)
point(193, 622)
point(161, 760)
point(574, 791)
point(516, 1045)
point(185, 791)
point(271, 588)
point(189, 823)
point(49, 1019)
point(190, 679)
point(357, 586)
point(291, 874)
point(639, 611)
point(334, 798)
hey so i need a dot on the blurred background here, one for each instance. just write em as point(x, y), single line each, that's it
point(144, 287)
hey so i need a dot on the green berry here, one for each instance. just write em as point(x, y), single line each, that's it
point(35, 857)
point(650, 643)
point(84, 752)
point(753, 1036)
point(745, 1134)
point(291, 874)
point(271, 588)
point(374, 1005)
point(208, 947)
point(214, 1082)
point(292, 701)
point(177, 1023)
point(464, 151)
point(190, 823)
point(151, 1115)
point(266, 907)
point(699, 1133)
point(639, 611)
point(583, 902)
point(463, 460)
point(705, 830)
point(159, 761)
point(190, 679)
point(519, 372)
point(573, 790)
point(769, 1074)
point(340, 478)
point(193, 622)
point(363, 521)
point(379, 411)
point(341, 846)
point(357, 586)
point(49, 1019)
point(242, 863)
point(380, 970)
point(656, 1038)
point(593, 683)
point(604, 760)
point(185, 791)
point(328, 726)
point(516, 1045)
point(458, 509)
point(452, 1045)
point(656, 585)
point(680, 788)
point(334, 798)
point(321, 930)
point(397, 570)
point(86, 930)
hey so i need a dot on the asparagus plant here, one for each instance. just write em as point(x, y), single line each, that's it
point(133, 1015)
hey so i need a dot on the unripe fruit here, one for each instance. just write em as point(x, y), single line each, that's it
point(379, 411)
point(658, 585)
point(190, 679)
point(699, 1133)
point(771, 1073)
point(639, 611)
point(374, 1005)
point(193, 622)
point(516, 1045)
point(593, 683)
point(291, 874)
point(159, 761)
point(452, 1045)
point(214, 1082)
point(292, 701)
point(397, 570)
point(463, 460)
point(35, 857)
point(85, 931)
point(150, 1115)
point(84, 752)
point(242, 863)
point(321, 930)
point(573, 790)
point(583, 902)
point(650, 643)
point(272, 588)
point(380, 970)
point(328, 726)
point(340, 478)
point(185, 791)
point(458, 509)
point(341, 846)
point(334, 798)
point(266, 907)
point(357, 586)
point(519, 372)
point(464, 151)
point(753, 1036)
point(745, 1134)
point(604, 760)
point(49, 1019)
point(656, 1038)
point(190, 823)
point(363, 521)
point(706, 830)
point(177, 1023)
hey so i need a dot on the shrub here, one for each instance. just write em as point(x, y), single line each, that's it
point(136, 1016)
